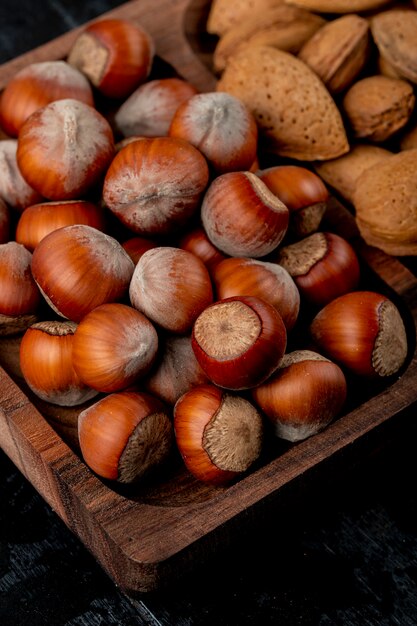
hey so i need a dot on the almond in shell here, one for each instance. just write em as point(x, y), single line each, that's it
point(378, 106)
point(342, 173)
point(385, 202)
point(338, 6)
point(296, 115)
point(283, 27)
point(395, 34)
point(338, 51)
point(224, 14)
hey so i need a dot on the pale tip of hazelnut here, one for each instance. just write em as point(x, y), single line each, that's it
point(390, 349)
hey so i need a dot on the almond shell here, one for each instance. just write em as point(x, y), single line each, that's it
point(338, 6)
point(296, 115)
point(385, 201)
point(395, 35)
point(224, 14)
point(342, 173)
point(283, 27)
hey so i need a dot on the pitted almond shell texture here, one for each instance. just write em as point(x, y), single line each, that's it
point(224, 14)
point(378, 106)
point(338, 51)
point(295, 112)
point(342, 173)
point(395, 34)
point(385, 202)
point(338, 6)
point(283, 27)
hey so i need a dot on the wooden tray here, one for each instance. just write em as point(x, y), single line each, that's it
point(175, 524)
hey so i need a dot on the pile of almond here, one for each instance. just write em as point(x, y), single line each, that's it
point(331, 84)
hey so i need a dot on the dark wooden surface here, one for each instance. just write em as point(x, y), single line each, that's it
point(344, 552)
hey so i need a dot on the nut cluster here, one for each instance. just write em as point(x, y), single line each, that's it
point(162, 280)
point(323, 79)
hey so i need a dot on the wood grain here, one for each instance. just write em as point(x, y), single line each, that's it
point(144, 539)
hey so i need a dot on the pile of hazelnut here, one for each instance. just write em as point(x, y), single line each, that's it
point(156, 274)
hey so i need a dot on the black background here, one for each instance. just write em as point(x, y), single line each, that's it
point(344, 551)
